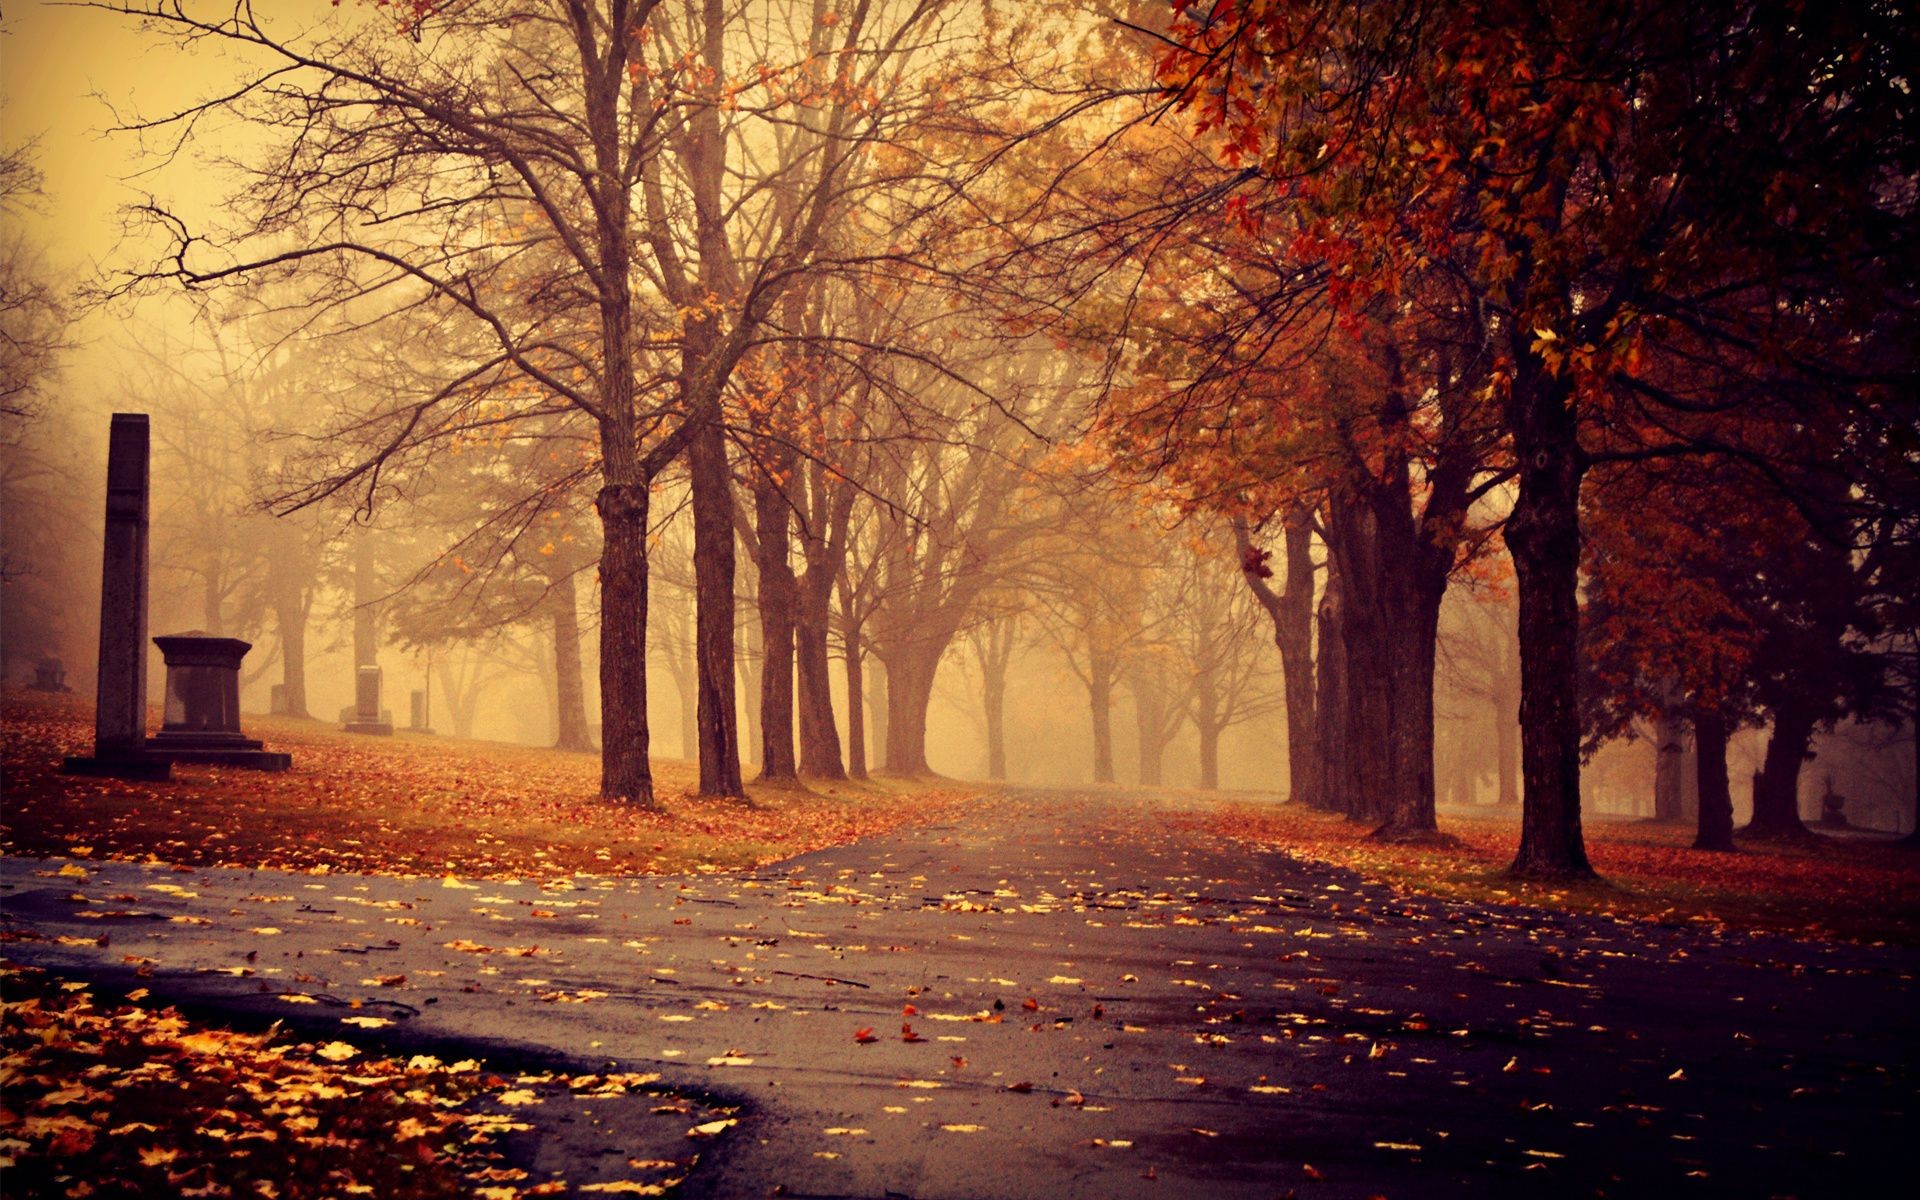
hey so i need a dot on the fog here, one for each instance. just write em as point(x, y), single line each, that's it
point(935, 466)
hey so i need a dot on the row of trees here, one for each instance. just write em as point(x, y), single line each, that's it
point(1383, 289)
point(1629, 285)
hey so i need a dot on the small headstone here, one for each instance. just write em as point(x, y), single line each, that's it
point(277, 700)
point(49, 675)
point(417, 714)
point(202, 722)
point(367, 714)
point(120, 709)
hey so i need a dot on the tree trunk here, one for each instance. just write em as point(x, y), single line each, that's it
point(910, 677)
point(1776, 789)
point(1543, 538)
point(993, 699)
point(1291, 612)
point(1149, 719)
point(1414, 638)
point(776, 602)
point(1669, 769)
point(1293, 635)
point(1100, 700)
point(569, 683)
point(1209, 754)
point(879, 704)
point(1368, 770)
point(625, 773)
point(713, 570)
point(1330, 702)
point(290, 622)
point(746, 641)
point(819, 733)
point(856, 709)
point(210, 598)
point(1716, 798)
point(1506, 730)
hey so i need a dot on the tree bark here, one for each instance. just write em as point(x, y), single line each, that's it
point(910, 675)
point(625, 773)
point(1291, 612)
point(1506, 730)
point(1776, 789)
point(713, 569)
point(1100, 702)
point(1209, 756)
point(1330, 701)
point(290, 623)
point(1543, 538)
point(776, 601)
point(1149, 720)
point(856, 708)
point(1715, 830)
point(993, 699)
point(1669, 769)
point(879, 702)
point(569, 685)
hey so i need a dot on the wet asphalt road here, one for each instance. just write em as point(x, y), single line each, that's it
point(1102, 1007)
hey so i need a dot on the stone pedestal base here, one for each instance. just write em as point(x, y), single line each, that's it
point(383, 728)
point(216, 750)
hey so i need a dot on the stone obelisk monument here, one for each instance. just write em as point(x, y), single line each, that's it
point(120, 717)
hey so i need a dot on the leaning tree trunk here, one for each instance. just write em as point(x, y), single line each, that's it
point(1776, 789)
point(1291, 612)
point(713, 570)
point(624, 771)
point(1716, 798)
point(569, 685)
point(776, 602)
point(1543, 538)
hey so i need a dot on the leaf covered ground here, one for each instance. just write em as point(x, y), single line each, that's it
point(415, 805)
point(121, 1098)
point(1817, 887)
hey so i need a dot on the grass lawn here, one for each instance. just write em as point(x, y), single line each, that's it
point(1821, 887)
point(415, 804)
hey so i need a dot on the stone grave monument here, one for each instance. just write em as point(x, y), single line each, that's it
point(417, 721)
point(49, 675)
point(120, 712)
point(367, 715)
point(202, 721)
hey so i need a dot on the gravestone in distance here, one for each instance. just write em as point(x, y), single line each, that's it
point(49, 675)
point(120, 710)
point(367, 716)
point(417, 716)
point(202, 721)
point(277, 700)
